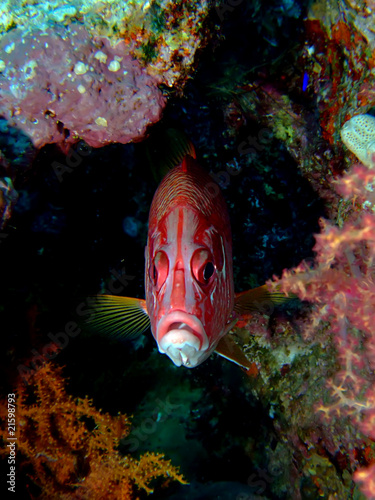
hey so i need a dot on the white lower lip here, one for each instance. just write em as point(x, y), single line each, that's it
point(183, 348)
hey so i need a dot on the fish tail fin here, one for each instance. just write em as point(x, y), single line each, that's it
point(119, 317)
point(259, 299)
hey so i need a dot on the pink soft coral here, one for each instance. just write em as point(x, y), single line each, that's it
point(341, 284)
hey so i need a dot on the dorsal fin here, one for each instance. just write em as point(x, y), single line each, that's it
point(166, 149)
point(179, 146)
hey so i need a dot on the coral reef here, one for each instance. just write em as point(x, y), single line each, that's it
point(69, 449)
point(304, 99)
point(166, 33)
point(92, 69)
point(341, 285)
point(295, 126)
point(264, 108)
point(314, 365)
point(68, 86)
point(340, 60)
point(312, 456)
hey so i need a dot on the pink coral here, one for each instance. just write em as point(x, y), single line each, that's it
point(341, 284)
point(366, 477)
point(61, 85)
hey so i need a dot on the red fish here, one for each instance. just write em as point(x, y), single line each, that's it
point(190, 302)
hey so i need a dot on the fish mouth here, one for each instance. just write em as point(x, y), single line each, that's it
point(182, 337)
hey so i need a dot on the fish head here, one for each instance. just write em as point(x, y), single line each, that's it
point(188, 274)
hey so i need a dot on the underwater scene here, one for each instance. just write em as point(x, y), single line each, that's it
point(187, 245)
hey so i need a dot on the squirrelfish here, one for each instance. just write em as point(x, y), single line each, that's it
point(190, 302)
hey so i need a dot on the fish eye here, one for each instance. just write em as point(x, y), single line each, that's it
point(202, 266)
point(159, 269)
point(208, 271)
point(154, 273)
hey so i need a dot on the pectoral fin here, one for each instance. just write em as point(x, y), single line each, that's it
point(259, 299)
point(119, 317)
point(228, 348)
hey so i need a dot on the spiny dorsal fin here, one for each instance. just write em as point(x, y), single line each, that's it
point(228, 349)
point(119, 317)
point(259, 299)
point(180, 146)
point(166, 149)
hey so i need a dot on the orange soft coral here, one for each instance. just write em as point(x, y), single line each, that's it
point(69, 448)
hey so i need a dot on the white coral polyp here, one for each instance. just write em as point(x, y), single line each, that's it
point(358, 135)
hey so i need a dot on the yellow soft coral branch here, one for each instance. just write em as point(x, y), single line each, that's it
point(70, 447)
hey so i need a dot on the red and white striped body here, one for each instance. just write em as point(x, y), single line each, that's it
point(188, 274)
